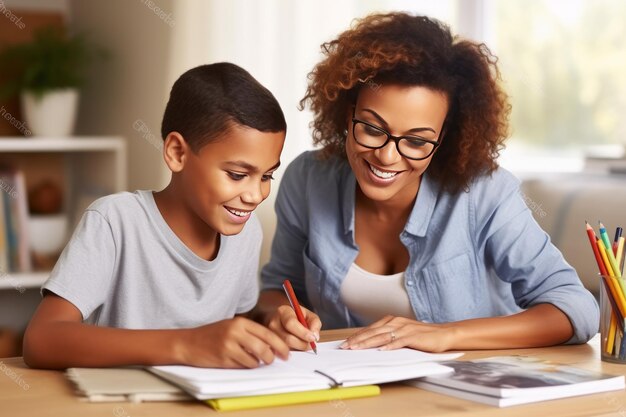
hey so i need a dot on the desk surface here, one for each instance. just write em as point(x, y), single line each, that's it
point(27, 392)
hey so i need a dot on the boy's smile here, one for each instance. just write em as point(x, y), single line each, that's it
point(238, 216)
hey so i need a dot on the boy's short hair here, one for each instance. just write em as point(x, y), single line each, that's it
point(207, 100)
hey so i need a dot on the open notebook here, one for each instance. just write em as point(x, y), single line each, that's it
point(305, 371)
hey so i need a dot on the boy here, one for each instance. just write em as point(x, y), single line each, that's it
point(156, 278)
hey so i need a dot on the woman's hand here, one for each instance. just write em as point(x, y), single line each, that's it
point(539, 325)
point(393, 332)
point(286, 325)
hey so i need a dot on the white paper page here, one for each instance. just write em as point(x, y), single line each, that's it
point(332, 359)
point(383, 375)
point(298, 372)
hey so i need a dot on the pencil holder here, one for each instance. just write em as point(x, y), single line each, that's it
point(612, 309)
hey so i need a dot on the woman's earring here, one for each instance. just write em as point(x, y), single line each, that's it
point(345, 133)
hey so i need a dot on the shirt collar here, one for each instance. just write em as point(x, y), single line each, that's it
point(420, 216)
point(423, 208)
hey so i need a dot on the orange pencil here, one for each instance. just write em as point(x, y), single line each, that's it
point(609, 251)
point(610, 339)
point(605, 258)
point(616, 312)
point(596, 253)
point(291, 296)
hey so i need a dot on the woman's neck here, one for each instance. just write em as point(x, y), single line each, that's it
point(398, 207)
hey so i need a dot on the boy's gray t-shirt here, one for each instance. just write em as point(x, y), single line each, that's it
point(124, 267)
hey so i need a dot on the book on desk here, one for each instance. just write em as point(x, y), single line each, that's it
point(510, 380)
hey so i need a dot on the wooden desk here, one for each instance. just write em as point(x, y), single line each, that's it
point(26, 392)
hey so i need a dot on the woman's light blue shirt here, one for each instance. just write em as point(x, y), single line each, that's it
point(472, 254)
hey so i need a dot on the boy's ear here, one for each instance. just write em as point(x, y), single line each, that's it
point(175, 151)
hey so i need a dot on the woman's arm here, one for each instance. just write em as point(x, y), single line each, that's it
point(540, 325)
point(56, 338)
point(521, 253)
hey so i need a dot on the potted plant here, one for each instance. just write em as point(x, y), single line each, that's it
point(47, 74)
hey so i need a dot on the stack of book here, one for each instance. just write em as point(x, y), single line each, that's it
point(14, 243)
point(510, 380)
point(333, 374)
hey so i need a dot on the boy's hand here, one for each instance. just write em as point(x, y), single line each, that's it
point(233, 343)
point(286, 325)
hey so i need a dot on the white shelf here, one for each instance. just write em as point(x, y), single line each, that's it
point(86, 167)
point(19, 281)
point(61, 144)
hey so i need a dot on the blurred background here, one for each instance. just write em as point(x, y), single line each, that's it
point(83, 85)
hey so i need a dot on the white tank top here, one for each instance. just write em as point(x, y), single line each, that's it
point(371, 297)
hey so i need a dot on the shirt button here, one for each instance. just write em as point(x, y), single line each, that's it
point(409, 283)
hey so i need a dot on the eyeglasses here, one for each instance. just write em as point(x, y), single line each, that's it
point(374, 137)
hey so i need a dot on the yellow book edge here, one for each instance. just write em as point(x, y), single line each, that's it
point(272, 400)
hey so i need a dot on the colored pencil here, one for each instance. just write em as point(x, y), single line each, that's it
point(609, 251)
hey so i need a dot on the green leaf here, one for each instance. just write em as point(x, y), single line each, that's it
point(50, 61)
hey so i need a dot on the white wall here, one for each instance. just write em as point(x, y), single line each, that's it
point(132, 84)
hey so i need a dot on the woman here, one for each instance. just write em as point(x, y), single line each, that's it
point(403, 222)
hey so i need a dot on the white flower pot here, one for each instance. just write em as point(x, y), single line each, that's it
point(52, 114)
point(47, 233)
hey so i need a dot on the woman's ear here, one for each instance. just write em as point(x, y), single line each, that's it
point(175, 151)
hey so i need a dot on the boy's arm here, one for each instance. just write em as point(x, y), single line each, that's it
point(56, 338)
point(269, 301)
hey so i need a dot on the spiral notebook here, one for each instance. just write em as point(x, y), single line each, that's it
point(305, 371)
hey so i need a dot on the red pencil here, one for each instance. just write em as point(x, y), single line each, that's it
point(291, 296)
point(596, 252)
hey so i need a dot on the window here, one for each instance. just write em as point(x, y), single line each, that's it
point(564, 67)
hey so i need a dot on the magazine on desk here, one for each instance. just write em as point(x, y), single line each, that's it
point(305, 371)
point(510, 380)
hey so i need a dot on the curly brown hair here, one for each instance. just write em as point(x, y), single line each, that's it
point(398, 48)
